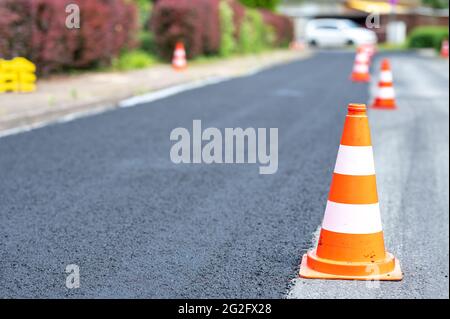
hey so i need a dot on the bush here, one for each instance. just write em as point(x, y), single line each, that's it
point(238, 16)
point(282, 26)
point(15, 28)
point(228, 40)
point(36, 30)
point(427, 37)
point(266, 4)
point(133, 60)
point(194, 22)
point(208, 27)
point(254, 35)
point(147, 42)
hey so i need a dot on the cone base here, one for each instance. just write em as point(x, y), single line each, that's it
point(307, 272)
point(179, 69)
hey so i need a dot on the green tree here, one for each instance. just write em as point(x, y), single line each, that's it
point(437, 4)
point(266, 4)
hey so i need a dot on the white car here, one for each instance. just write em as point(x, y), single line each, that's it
point(338, 33)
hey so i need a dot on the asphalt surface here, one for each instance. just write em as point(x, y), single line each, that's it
point(102, 193)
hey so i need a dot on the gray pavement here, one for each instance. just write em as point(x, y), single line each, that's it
point(102, 193)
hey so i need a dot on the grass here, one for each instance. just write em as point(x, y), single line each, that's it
point(134, 60)
point(392, 46)
point(205, 59)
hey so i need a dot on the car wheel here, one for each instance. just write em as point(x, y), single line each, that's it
point(313, 43)
point(350, 42)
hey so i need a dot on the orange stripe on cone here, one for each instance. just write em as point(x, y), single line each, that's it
point(351, 243)
point(349, 189)
point(344, 247)
point(385, 96)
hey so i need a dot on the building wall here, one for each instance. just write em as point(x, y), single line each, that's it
point(411, 21)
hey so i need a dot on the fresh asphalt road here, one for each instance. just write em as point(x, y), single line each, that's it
point(102, 193)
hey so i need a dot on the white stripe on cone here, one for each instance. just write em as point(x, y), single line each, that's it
point(362, 58)
point(179, 54)
point(361, 68)
point(386, 93)
point(386, 77)
point(355, 160)
point(179, 63)
point(352, 219)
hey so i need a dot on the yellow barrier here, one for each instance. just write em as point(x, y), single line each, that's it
point(17, 75)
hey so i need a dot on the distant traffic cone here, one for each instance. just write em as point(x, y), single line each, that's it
point(179, 57)
point(297, 46)
point(351, 243)
point(369, 49)
point(361, 67)
point(385, 98)
point(444, 49)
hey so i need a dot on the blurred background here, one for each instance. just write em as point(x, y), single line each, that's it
point(133, 34)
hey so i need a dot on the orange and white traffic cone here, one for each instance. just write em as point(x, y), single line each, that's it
point(361, 67)
point(351, 243)
point(385, 98)
point(369, 49)
point(179, 57)
point(297, 46)
point(444, 49)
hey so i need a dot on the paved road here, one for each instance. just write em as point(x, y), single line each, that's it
point(101, 192)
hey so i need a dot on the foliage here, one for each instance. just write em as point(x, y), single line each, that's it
point(265, 4)
point(227, 41)
point(254, 35)
point(194, 22)
point(208, 27)
point(36, 29)
point(282, 27)
point(133, 60)
point(427, 37)
point(437, 4)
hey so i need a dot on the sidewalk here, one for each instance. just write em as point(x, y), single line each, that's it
point(63, 95)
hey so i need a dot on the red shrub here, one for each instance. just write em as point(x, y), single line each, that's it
point(15, 28)
point(195, 22)
point(283, 26)
point(211, 25)
point(36, 29)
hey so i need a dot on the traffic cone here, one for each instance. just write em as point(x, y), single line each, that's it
point(351, 243)
point(385, 98)
point(361, 67)
point(296, 46)
point(179, 57)
point(444, 49)
point(369, 49)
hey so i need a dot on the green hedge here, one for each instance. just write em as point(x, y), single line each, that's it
point(427, 37)
point(265, 4)
point(227, 28)
point(255, 35)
